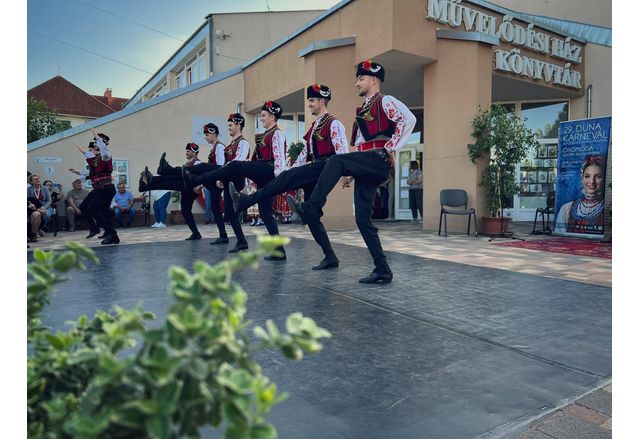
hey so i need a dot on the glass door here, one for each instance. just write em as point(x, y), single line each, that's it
point(404, 157)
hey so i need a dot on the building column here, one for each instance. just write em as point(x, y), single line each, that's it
point(455, 87)
point(336, 68)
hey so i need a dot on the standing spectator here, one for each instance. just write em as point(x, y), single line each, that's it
point(415, 191)
point(41, 193)
point(75, 197)
point(161, 200)
point(123, 205)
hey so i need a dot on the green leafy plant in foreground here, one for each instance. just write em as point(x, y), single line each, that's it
point(195, 369)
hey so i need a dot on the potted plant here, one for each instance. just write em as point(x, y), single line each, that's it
point(505, 140)
point(176, 215)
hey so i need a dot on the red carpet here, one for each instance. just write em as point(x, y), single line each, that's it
point(572, 246)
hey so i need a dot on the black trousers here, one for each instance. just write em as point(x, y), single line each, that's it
point(96, 205)
point(173, 181)
point(260, 171)
point(415, 202)
point(369, 169)
point(304, 177)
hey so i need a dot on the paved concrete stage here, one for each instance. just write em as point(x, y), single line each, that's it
point(445, 351)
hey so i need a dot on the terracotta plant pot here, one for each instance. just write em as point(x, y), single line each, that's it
point(491, 225)
point(176, 217)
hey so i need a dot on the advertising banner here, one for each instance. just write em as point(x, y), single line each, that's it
point(583, 146)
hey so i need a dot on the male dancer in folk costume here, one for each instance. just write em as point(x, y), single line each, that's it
point(97, 203)
point(237, 150)
point(383, 125)
point(173, 181)
point(217, 158)
point(325, 138)
point(267, 162)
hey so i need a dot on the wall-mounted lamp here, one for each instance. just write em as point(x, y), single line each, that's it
point(220, 35)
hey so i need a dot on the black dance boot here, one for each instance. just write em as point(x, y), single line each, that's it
point(190, 180)
point(164, 168)
point(377, 278)
point(240, 245)
point(93, 233)
point(278, 255)
point(327, 263)
point(145, 179)
point(111, 239)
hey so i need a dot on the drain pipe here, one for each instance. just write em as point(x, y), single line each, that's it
point(589, 89)
point(239, 107)
point(211, 40)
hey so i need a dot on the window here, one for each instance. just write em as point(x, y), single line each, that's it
point(121, 172)
point(290, 125)
point(538, 170)
point(189, 76)
point(544, 117)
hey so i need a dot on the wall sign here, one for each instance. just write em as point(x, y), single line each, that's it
point(454, 14)
point(47, 160)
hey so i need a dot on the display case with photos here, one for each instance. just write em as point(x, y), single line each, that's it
point(538, 171)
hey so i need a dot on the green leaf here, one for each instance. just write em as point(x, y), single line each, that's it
point(292, 352)
point(65, 262)
point(233, 415)
point(82, 356)
point(55, 341)
point(159, 427)
point(265, 431)
point(40, 255)
point(237, 432)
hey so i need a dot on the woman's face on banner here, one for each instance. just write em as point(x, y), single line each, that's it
point(592, 179)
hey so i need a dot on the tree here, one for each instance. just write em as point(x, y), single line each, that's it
point(42, 122)
point(502, 136)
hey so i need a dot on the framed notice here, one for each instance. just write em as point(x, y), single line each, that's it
point(542, 176)
point(542, 151)
point(523, 177)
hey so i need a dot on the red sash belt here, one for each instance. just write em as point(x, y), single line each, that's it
point(372, 144)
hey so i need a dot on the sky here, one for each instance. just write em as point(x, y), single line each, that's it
point(74, 38)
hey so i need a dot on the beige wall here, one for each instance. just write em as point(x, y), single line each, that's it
point(598, 74)
point(454, 88)
point(141, 137)
point(283, 70)
point(596, 12)
point(252, 33)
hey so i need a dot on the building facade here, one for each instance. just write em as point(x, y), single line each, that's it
point(444, 59)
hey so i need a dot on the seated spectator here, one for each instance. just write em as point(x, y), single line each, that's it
point(41, 193)
point(122, 204)
point(75, 197)
point(56, 196)
point(161, 201)
point(35, 213)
